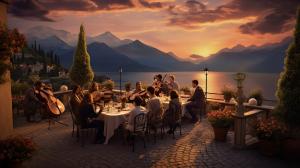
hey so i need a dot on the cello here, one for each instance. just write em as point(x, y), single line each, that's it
point(53, 104)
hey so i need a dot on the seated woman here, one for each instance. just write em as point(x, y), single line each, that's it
point(134, 112)
point(96, 92)
point(154, 107)
point(88, 115)
point(173, 113)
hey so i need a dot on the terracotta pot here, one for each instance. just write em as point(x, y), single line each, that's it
point(220, 133)
point(291, 148)
point(268, 148)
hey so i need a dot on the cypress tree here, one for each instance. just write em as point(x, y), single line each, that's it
point(81, 71)
point(288, 87)
point(35, 45)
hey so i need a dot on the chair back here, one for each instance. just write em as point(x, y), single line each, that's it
point(139, 124)
point(75, 119)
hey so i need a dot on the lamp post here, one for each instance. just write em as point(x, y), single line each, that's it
point(239, 119)
point(120, 71)
point(206, 73)
point(240, 77)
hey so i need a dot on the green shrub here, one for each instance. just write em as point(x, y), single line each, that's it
point(109, 84)
point(288, 89)
point(228, 93)
point(186, 90)
point(81, 72)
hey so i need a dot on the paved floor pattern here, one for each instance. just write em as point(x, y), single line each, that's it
point(194, 148)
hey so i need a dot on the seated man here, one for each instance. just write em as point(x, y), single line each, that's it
point(154, 107)
point(173, 85)
point(196, 101)
point(139, 91)
point(32, 102)
point(134, 112)
point(87, 113)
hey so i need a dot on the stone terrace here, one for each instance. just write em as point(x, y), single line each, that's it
point(195, 148)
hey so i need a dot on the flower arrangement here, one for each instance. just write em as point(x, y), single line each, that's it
point(219, 118)
point(15, 150)
point(269, 129)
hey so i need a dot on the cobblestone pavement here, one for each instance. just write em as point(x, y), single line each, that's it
point(194, 148)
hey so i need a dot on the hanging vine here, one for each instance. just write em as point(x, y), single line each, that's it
point(11, 41)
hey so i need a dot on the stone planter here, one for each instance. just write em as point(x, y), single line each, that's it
point(291, 149)
point(268, 147)
point(220, 133)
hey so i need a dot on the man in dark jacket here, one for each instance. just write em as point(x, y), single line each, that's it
point(197, 101)
point(87, 118)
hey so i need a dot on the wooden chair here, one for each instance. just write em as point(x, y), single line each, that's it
point(155, 126)
point(176, 125)
point(139, 129)
point(81, 133)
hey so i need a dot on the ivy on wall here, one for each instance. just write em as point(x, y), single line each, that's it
point(11, 41)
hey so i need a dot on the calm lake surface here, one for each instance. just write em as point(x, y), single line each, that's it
point(216, 80)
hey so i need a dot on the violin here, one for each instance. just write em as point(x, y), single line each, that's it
point(142, 93)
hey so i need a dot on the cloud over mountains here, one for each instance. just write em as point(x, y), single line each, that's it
point(40, 9)
point(271, 16)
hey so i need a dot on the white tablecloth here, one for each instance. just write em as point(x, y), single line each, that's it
point(112, 121)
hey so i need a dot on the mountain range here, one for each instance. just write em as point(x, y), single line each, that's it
point(108, 53)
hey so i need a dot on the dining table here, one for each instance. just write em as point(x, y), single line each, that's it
point(113, 117)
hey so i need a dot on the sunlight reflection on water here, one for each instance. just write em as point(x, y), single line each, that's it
point(216, 80)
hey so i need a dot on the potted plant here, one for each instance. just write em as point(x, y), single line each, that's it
point(186, 90)
point(269, 132)
point(228, 93)
point(127, 86)
point(221, 122)
point(109, 84)
point(257, 95)
point(15, 150)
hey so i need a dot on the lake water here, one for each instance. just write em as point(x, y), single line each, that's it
point(267, 82)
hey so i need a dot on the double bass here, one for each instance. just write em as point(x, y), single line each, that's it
point(53, 104)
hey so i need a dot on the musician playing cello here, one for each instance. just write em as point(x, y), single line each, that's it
point(32, 102)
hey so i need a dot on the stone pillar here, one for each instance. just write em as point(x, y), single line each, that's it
point(6, 118)
point(239, 119)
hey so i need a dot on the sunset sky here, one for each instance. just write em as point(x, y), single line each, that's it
point(184, 27)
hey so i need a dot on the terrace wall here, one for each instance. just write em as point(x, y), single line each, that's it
point(6, 118)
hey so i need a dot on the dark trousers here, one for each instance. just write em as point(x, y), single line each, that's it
point(189, 107)
point(99, 125)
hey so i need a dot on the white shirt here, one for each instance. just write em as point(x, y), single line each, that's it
point(134, 112)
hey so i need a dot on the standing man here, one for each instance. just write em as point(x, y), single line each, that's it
point(197, 101)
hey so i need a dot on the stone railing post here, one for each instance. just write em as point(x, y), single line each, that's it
point(239, 119)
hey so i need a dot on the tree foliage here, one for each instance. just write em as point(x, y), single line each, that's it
point(81, 71)
point(288, 89)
